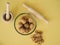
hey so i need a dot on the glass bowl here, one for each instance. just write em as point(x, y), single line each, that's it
point(18, 19)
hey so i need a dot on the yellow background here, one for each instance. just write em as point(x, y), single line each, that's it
point(50, 9)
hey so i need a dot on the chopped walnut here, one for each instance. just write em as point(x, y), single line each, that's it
point(37, 37)
point(23, 21)
point(30, 20)
point(31, 26)
point(26, 24)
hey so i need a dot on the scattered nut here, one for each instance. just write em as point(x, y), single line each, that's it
point(37, 37)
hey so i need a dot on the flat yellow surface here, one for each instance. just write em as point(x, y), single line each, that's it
point(50, 9)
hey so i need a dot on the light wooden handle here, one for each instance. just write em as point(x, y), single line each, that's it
point(35, 13)
point(7, 10)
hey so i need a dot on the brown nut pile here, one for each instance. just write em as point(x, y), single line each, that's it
point(37, 37)
point(26, 24)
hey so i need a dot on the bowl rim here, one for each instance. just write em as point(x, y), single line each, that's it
point(33, 19)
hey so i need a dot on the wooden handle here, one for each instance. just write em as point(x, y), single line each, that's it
point(35, 13)
point(7, 10)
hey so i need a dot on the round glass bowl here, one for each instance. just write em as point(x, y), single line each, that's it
point(17, 22)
